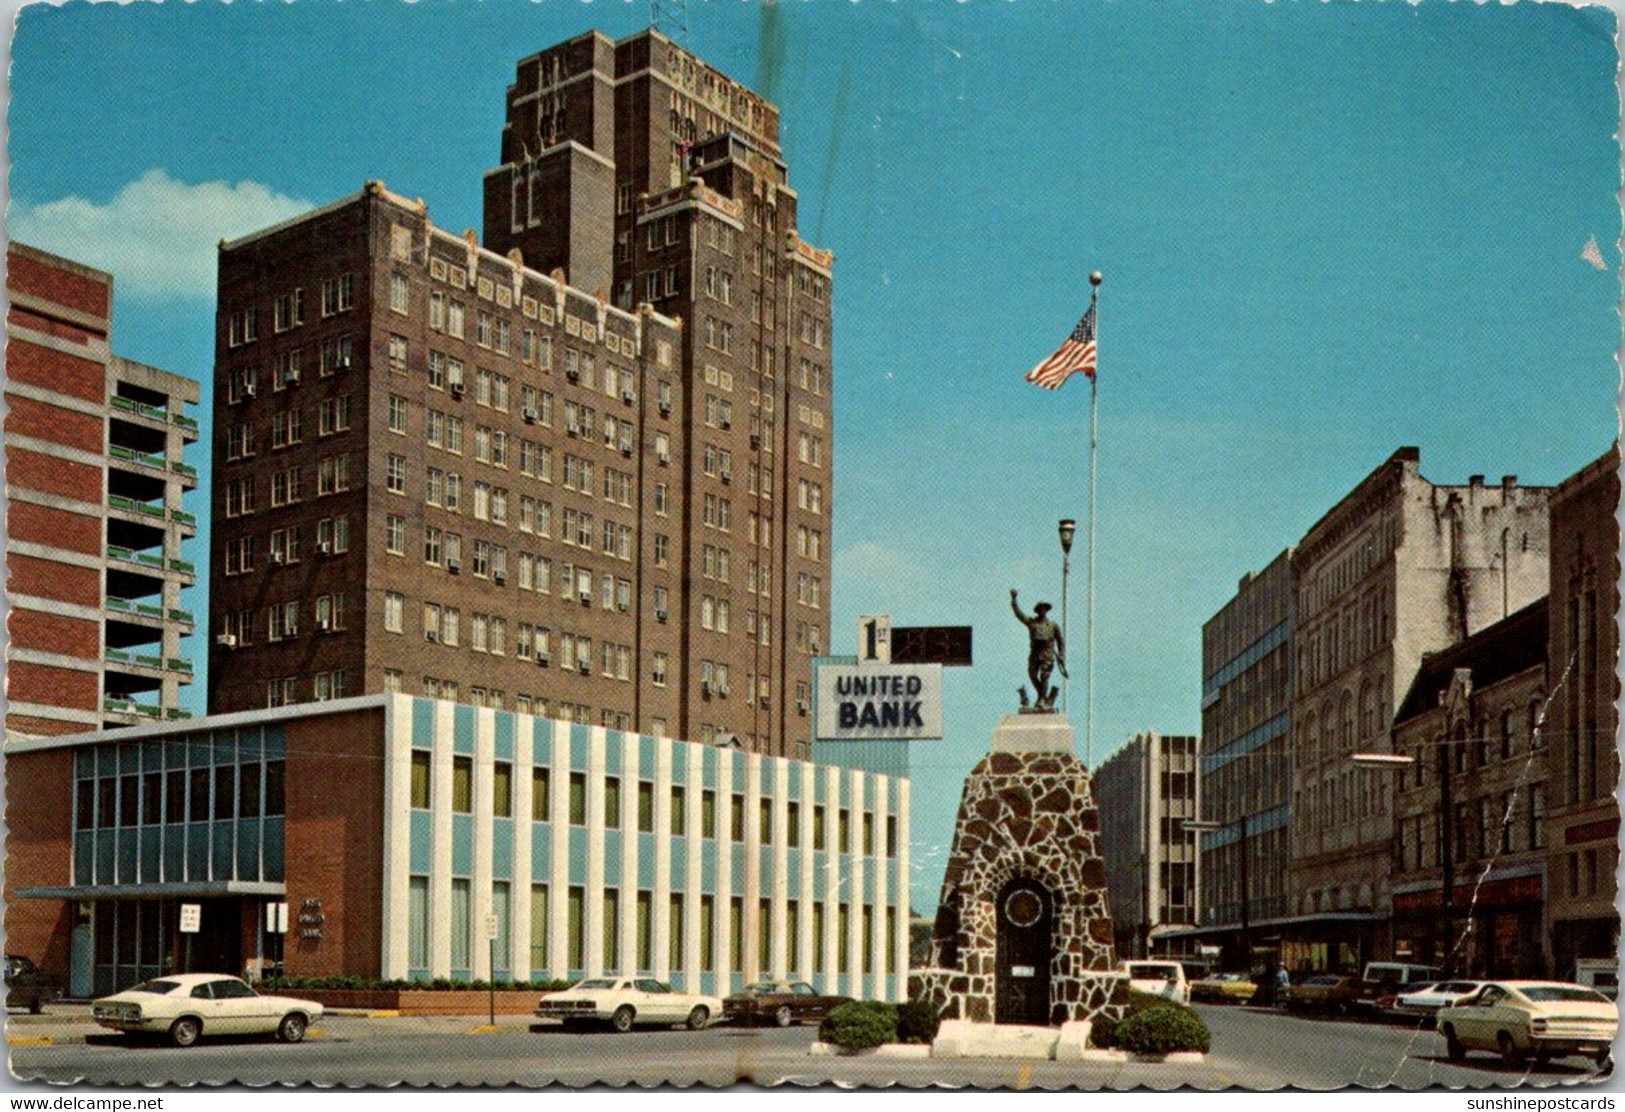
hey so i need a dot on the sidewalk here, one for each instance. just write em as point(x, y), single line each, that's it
point(64, 1024)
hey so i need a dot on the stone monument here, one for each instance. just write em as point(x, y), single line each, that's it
point(1024, 929)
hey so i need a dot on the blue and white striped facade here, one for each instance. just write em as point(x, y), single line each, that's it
point(793, 895)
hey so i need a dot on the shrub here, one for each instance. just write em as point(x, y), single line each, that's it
point(860, 1025)
point(1105, 1032)
point(917, 1022)
point(1163, 1031)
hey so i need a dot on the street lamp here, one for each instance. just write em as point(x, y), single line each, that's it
point(1208, 825)
point(1447, 846)
point(1067, 530)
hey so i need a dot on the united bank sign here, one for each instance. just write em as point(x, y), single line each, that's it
point(879, 702)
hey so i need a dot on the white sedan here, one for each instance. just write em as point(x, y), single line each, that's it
point(623, 1002)
point(1428, 1000)
point(1531, 1019)
point(186, 1006)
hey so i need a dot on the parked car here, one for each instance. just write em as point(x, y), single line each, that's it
point(1159, 978)
point(781, 1003)
point(1224, 988)
point(1428, 999)
point(1323, 992)
point(28, 986)
point(186, 1006)
point(623, 1002)
point(1386, 1006)
point(1531, 1019)
point(1385, 978)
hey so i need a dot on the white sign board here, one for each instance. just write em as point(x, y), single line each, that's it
point(874, 639)
point(191, 918)
point(276, 918)
point(882, 702)
point(491, 928)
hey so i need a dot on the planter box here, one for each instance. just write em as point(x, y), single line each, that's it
point(416, 1001)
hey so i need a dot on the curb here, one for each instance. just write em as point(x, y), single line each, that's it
point(364, 1013)
point(885, 1050)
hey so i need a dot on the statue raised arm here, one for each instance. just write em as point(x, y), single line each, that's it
point(1046, 649)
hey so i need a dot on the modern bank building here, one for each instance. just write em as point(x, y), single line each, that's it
point(389, 836)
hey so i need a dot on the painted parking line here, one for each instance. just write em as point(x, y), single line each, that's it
point(484, 1029)
point(30, 1040)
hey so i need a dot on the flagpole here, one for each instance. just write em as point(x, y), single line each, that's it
point(1094, 427)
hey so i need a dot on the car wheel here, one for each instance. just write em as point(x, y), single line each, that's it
point(1453, 1048)
point(783, 1017)
point(185, 1032)
point(1510, 1054)
point(697, 1017)
point(1602, 1056)
point(622, 1019)
point(292, 1028)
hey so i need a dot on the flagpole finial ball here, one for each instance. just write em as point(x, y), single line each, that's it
point(1094, 279)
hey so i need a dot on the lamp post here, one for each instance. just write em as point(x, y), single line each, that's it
point(1447, 846)
point(1067, 529)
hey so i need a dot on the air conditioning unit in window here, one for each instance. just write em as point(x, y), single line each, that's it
point(572, 429)
point(626, 450)
point(431, 635)
point(623, 607)
point(324, 624)
point(290, 377)
point(801, 707)
point(572, 376)
point(755, 440)
point(276, 557)
point(543, 659)
point(325, 548)
point(530, 415)
point(457, 390)
point(628, 397)
point(665, 409)
point(226, 639)
point(454, 566)
point(664, 459)
point(248, 390)
point(727, 478)
point(584, 667)
point(661, 615)
point(500, 576)
point(343, 363)
point(586, 598)
point(707, 688)
point(766, 701)
point(727, 424)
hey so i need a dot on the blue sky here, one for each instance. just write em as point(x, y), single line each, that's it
point(1327, 229)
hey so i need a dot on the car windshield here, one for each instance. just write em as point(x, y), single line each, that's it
point(155, 988)
point(762, 988)
point(1543, 993)
point(597, 982)
point(1143, 972)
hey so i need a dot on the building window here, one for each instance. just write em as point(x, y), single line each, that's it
point(420, 780)
point(462, 785)
point(395, 479)
point(764, 820)
point(397, 414)
point(461, 925)
point(708, 949)
point(612, 802)
point(541, 804)
point(417, 919)
point(395, 534)
point(538, 928)
point(708, 813)
point(819, 838)
point(646, 809)
point(502, 790)
point(576, 958)
point(578, 801)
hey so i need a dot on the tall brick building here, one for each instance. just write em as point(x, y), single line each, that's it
point(95, 476)
point(459, 470)
point(1399, 568)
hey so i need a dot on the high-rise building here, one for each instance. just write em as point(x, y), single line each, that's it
point(1246, 758)
point(1146, 790)
point(1582, 722)
point(95, 474)
point(652, 178)
point(1399, 567)
point(458, 470)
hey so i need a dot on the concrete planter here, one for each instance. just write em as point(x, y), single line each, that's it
point(885, 1050)
point(413, 1001)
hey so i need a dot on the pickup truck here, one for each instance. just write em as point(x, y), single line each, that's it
point(27, 986)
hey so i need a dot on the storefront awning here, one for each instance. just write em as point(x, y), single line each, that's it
point(202, 889)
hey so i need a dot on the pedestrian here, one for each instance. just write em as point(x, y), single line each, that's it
point(1283, 984)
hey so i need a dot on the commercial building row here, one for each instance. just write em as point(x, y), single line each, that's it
point(1470, 629)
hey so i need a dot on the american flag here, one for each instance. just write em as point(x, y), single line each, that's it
point(1076, 354)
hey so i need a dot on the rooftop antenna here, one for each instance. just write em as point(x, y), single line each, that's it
point(670, 18)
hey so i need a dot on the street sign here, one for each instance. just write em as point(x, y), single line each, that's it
point(874, 639)
point(880, 702)
point(191, 918)
point(491, 927)
point(949, 645)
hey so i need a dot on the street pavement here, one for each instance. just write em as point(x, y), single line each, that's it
point(1252, 1048)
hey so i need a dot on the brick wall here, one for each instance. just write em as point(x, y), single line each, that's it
point(58, 371)
point(81, 288)
point(60, 426)
point(58, 528)
point(39, 814)
point(49, 475)
point(54, 633)
point(56, 687)
point(48, 579)
point(334, 842)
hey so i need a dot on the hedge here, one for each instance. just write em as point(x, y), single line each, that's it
point(860, 1025)
point(1104, 1032)
point(1163, 1031)
point(373, 984)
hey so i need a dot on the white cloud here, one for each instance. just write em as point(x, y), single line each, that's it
point(157, 236)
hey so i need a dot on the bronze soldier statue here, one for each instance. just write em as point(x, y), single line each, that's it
point(1046, 651)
